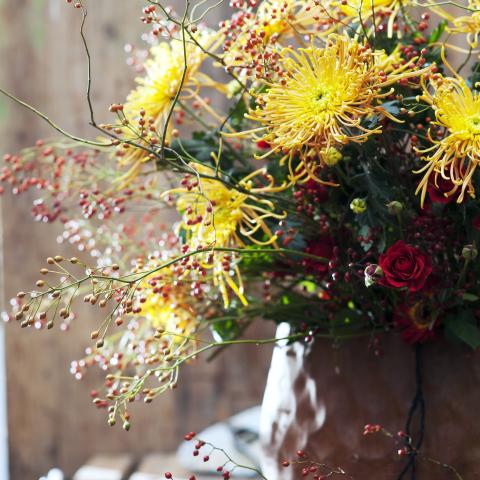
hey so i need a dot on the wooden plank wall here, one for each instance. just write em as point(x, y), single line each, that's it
point(51, 419)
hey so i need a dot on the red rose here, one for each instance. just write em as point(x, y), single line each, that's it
point(405, 266)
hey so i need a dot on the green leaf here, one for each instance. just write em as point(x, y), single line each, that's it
point(437, 32)
point(464, 328)
point(470, 297)
point(227, 330)
point(237, 114)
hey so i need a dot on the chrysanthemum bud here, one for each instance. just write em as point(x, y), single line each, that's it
point(469, 252)
point(373, 273)
point(331, 157)
point(358, 206)
point(395, 207)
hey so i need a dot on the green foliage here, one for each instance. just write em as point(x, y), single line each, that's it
point(437, 32)
point(474, 79)
point(464, 327)
point(226, 329)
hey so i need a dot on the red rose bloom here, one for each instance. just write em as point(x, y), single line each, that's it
point(405, 266)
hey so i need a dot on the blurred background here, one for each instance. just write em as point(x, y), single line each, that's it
point(51, 419)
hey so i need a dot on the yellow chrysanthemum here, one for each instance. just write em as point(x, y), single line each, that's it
point(217, 216)
point(151, 102)
point(468, 24)
point(456, 156)
point(168, 312)
point(362, 11)
point(165, 297)
point(277, 17)
point(464, 24)
point(322, 101)
point(275, 20)
point(164, 71)
point(132, 157)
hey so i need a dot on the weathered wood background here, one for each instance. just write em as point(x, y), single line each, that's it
point(51, 419)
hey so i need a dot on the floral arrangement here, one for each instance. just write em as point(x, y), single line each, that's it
point(321, 156)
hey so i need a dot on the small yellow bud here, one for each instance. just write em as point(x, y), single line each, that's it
point(358, 206)
point(331, 156)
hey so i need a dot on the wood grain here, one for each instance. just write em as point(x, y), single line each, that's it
point(51, 419)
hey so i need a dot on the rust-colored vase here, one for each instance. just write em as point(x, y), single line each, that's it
point(319, 397)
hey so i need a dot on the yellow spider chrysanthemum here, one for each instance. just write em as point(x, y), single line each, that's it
point(468, 24)
point(164, 71)
point(273, 21)
point(464, 24)
point(362, 11)
point(150, 104)
point(322, 101)
point(168, 311)
point(294, 17)
point(165, 298)
point(132, 157)
point(456, 156)
point(217, 216)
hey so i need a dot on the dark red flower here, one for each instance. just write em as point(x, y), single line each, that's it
point(476, 222)
point(321, 247)
point(415, 323)
point(405, 266)
point(437, 193)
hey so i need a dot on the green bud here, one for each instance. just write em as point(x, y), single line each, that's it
point(395, 208)
point(469, 252)
point(372, 273)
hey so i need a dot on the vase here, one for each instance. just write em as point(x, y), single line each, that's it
point(319, 397)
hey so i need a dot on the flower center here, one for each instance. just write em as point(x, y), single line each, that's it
point(322, 100)
point(473, 124)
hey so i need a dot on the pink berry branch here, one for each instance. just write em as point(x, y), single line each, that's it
point(155, 352)
point(406, 447)
point(314, 469)
point(106, 286)
point(309, 468)
point(124, 389)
